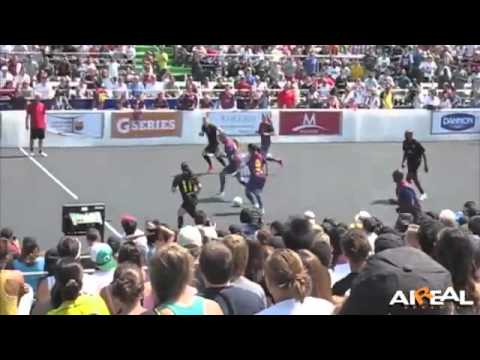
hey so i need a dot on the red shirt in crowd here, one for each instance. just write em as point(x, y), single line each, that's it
point(286, 98)
point(227, 100)
point(37, 113)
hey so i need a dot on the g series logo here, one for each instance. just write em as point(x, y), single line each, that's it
point(458, 122)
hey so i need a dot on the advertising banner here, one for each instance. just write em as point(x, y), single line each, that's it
point(146, 124)
point(82, 125)
point(462, 121)
point(238, 123)
point(310, 122)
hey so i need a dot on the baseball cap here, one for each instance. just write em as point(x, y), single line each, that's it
point(403, 268)
point(102, 255)
point(388, 241)
point(362, 215)
point(127, 218)
point(189, 235)
point(310, 216)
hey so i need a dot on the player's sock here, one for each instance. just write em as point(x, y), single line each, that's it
point(222, 183)
point(180, 222)
point(209, 162)
point(250, 198)
point(259, 201)
point(222, 161)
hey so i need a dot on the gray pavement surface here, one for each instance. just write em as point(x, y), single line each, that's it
point(334, 180)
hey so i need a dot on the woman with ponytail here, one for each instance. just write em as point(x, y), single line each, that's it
point(127, 290)
point(67, 297)
point(288, 281)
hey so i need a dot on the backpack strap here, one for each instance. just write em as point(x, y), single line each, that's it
point(227, 302)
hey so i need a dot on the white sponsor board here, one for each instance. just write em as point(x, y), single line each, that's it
point(238, 123)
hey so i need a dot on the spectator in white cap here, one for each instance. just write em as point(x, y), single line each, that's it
point(361, 215)
point(190, 235)
point(447, 218)
point(310, 216)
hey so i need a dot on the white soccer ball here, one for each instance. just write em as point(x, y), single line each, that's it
point(237, 201)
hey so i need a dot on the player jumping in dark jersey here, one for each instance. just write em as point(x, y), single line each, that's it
point(234, 161)
point(413, 152)
point(266, 131)
point(189, 187)
point(212, 148)
point(258, 178)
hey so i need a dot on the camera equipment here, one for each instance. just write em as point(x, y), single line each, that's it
point(78, 218)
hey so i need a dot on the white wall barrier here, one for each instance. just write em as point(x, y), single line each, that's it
point(127, 128)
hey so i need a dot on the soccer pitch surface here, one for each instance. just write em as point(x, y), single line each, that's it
point(335, 180)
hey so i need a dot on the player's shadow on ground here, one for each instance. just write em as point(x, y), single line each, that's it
point(12, 156)
point(236, 213)
point(207, 173)
point(212, 200)
point(386, 202)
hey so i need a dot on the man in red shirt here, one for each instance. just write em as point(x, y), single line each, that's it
point(286, 97)
point(36, 120)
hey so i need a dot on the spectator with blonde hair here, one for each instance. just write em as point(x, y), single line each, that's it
point(447, 218)
point(240, 253)
point(321, 286)
point(289, 283)
point(171, 270)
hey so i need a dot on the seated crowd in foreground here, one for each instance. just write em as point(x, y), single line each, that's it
point(300, 266)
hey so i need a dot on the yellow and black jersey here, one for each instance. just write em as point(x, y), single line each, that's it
point(188, 185)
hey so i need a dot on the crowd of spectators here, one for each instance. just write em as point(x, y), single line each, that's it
point(245, 76)
point(297, 266)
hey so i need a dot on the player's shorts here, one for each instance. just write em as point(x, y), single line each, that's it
point(212, 149)
point(230, 168)
point(255, 184)
point(413, 166)
point(190, 206)
point(264, 149)
point(37, 134)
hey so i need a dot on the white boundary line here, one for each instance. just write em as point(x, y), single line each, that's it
point(112, 229)
point(59, 183)
point(49, 174)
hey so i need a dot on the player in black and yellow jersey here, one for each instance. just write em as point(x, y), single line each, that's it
point(189, 187)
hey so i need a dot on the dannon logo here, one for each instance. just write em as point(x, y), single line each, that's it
point(458, 122)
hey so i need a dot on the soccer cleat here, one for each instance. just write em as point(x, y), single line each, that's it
point(423, 197)
point(32, 154)
point(221, 195)
point(44, 154)
point(280, 162)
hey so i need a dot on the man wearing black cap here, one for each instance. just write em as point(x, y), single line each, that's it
point(403, 269)
point(413, 152)
point(189, 187)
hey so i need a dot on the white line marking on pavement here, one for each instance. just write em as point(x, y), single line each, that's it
point(112, 229)
point(59, 183)
point(41, 167)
